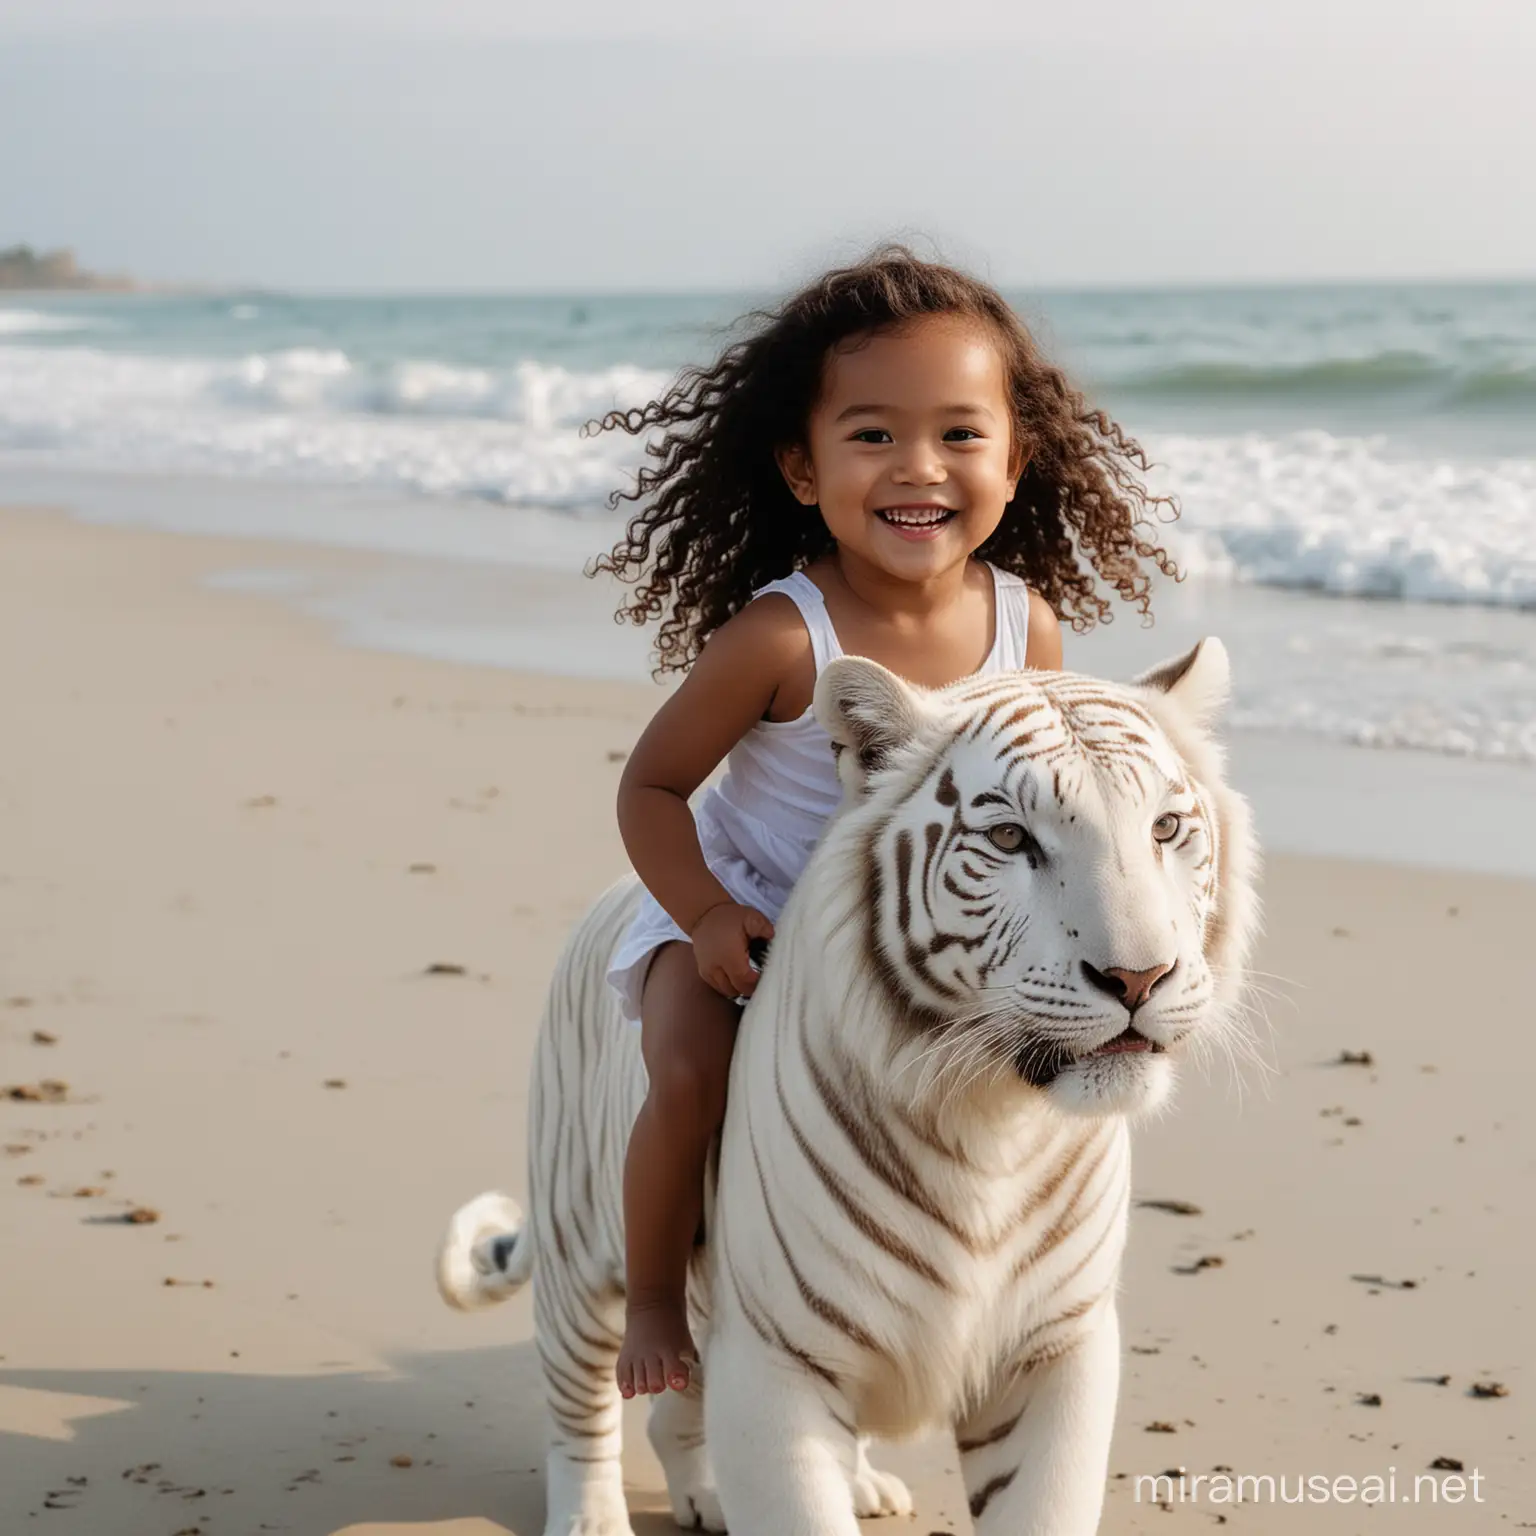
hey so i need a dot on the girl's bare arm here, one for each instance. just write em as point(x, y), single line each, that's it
point(1043, 644)
point(730, 688)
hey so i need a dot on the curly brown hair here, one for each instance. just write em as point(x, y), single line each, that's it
point(717, 520)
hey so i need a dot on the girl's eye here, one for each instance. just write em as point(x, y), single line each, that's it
point(872, 435)
point(1008, 837)
point(962, 434)
point(1166, 827)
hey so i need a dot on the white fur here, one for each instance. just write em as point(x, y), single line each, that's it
point(474, 1266)
point(906, 1227)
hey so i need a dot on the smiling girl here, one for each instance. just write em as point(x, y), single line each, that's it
point(887, 467)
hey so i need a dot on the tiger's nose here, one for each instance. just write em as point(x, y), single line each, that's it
point(1132, 988)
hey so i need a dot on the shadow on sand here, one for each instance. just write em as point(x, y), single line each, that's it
point(449, 1443)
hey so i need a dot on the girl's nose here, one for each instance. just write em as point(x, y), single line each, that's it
point(920, 465)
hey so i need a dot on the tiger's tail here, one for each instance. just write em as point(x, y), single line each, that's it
point(486, 1254)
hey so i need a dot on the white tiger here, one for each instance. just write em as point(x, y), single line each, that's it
point(1040, 890)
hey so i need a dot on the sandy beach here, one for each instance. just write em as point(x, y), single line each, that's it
point(278, 913)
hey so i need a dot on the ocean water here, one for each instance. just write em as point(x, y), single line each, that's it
point(1371, 446)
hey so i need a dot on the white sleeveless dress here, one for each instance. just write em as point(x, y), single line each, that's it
point(758, 824)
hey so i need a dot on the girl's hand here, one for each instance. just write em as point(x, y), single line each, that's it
point(720, 946)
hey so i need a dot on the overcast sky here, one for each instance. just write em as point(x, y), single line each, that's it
point(494, 144)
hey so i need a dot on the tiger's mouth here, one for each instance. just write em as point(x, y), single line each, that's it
point(1129, 1039)
point(1042, 1065)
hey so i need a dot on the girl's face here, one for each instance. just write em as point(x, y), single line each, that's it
point(909, 449)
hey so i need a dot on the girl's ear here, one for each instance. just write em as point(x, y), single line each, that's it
point(795, 465)
point(1018, 461)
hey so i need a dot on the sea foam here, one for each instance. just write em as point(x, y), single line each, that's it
point(1356, 517)
point(1327, 511)
point(31, 322)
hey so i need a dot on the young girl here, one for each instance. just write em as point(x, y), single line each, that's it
point(878, 470)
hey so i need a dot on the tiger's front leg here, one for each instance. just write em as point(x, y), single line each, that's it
point(785, 1455)
point(1036, 1457)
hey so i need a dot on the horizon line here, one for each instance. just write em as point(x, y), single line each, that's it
point(139, 287)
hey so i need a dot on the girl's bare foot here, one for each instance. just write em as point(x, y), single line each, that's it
point(657, 1349)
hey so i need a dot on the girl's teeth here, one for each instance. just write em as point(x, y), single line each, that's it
point(915, 519)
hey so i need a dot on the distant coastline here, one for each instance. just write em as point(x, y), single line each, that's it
point(22, 270)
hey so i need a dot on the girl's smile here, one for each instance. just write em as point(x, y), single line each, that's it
point(921, 520)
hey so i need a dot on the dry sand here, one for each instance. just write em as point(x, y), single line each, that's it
point(230, 851)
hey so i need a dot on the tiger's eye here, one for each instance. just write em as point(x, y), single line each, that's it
point(1166, 827)
point(1009, 837)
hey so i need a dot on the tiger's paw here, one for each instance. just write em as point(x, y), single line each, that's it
point(589, 1522)
point(698, 1509)
point(878, 1493)
point(585, 1499)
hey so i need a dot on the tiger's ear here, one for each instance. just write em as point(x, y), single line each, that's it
point(1200, 680)
point(868, 712)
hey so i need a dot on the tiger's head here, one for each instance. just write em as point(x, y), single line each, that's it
point(1056, 886)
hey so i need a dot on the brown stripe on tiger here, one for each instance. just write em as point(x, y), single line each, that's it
point(558, 1297)
point(1073, 1313)
point(902, 1252)
point(1003, 1430)
point(877, 1150)
point(1070, 1219)
point(984, 1496)
point(830, 1314)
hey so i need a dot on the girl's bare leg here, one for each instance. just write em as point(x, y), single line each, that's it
point(687, 1033)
